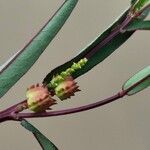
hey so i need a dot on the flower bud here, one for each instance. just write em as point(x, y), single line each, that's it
point(39, 98)
point(67, 88)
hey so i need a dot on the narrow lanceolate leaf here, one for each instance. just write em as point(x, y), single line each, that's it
point(44, 142)
point(138, 82)
point(139, 25)
point(22, 61)
point(104, 45)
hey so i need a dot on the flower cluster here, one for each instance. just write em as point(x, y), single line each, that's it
point(56, 80)
point(39, 98)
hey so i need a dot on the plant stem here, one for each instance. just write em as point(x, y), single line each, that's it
point(5, 116)
point(73, 110)
point(12, 113)
point(120, 29)
point(9, 113)
point(113, 34)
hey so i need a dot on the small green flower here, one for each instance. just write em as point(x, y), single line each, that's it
point(63, 84)
point(56, 80)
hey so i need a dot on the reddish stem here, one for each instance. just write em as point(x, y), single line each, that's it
point(9, 114)
point(73, 110)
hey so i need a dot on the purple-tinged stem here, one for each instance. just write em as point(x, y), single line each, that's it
point(73, 110)
point(85, 107)
point(12, 114)
point(9, 113)
point(118, 30)
point(12, 108)
point(5, 116)
point(111, 36)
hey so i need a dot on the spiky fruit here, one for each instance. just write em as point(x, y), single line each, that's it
point(39, 98)
point(67, 88)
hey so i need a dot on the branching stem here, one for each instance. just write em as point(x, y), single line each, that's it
point(9, 113)
point(12, 113)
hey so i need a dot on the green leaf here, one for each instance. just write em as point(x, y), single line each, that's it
point(138, 82)
point(101, 53)
point(139, 25)
point(22, 61)
point(140, 4)
point(44, 142)
point(97, 48)
point(99, 56)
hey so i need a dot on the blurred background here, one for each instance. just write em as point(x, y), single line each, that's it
point(124, 124)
